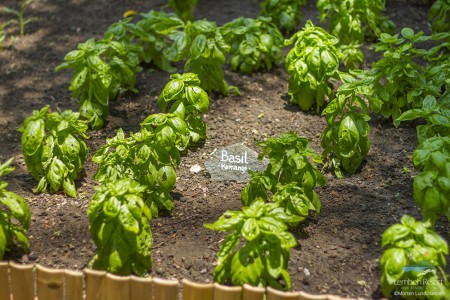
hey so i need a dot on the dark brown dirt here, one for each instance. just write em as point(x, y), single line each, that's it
point(337, 254)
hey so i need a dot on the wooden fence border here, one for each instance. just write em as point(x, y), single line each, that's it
point(36, 282)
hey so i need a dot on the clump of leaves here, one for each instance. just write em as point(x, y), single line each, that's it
point(273, 200)
point(102, 69)
point(399, 83)
point(290, 160)
point(346, 16)
point(21, 21)
point(439, 16)
point(352, 55)
point(345, 24)
point(183, 8)
point(255, 44)
point(346, 138)
point(344, 19)
point(207, 55)
point(438, 69)
point(148, 157)
point(162, 38)
point(290, 176)
point(349, 20)
point(154, 32)
point(286, 14)
point(188, 101)
point(137, 175)
point(432, 184)
point(374, 23)
point(151, 155)
point(119, 226)
point(414, 260)
point(432, 157)
point(54, 149)
point(150, 36)
point(14, 216)
point(263, 259)
point(311, 63)
point(437, 115)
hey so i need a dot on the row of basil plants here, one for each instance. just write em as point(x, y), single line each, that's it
point(146, 161)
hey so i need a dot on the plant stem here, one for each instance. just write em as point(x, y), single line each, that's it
point(21, 24)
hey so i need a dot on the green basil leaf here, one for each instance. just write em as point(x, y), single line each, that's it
point(348, 137)
point(166, 177)
point(407, 33)
point(56, 173)
point(394, 233)
point(173, 90)
point(287, 239)
point(198, 98)
point(164, 200)
point(5, 169)
point(275, 260)
point(115, 262)
point(23, 214)
point(74, 55)
point(3, 241)
point(250, 229)
point(13, 202)
point(127, 220)
point(178, 110)
point(271, 224)
point(69, 187)
point(33, 136)
point(198, 46)
point(432, 239)
point(79, 79)
point(42, 185)
point(444, 183)
point(230, 242)
point(21, 238)
point(111, 207)
point(226, 224)
point(393, 261)
point(432, 206)
point(161, 156)
point(246, 266)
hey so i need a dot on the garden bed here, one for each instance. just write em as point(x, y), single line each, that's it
point(338, 252)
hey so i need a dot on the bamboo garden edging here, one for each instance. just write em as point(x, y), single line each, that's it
point(35, 282)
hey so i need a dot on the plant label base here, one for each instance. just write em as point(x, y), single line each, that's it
point(233, 163)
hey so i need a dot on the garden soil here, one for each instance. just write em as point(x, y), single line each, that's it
point(338, 251)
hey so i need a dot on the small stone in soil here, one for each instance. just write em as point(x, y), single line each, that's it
point(203, 271)
point(160, 271)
